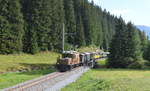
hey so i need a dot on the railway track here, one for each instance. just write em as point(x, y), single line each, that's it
point(51, 82)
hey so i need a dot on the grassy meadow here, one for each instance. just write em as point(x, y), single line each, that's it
point(19, 62)
point(18, 68)
point(102, 79)
point(10, 79)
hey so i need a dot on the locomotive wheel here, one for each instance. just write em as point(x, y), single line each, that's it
point(63, 68)
point(91, 64)
point(70, 67)
point(95, 65)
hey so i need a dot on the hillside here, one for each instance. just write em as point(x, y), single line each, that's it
point(43, 19)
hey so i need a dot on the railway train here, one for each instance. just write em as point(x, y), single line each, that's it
point(73, 59)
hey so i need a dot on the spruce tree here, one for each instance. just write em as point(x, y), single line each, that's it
point(125, 49)
point(105, 31)
point(80, 37)
point(134, 47)
point(117, 46)
point(147, 52)
point(11, 26)
point(98, 28)
point(57, 17)
point(86, 21)
point(70, 20)
point(4, 32)
point(134, 55)
point(30, 11)
point(37, 14)
point(144, 42)
point(43, 23)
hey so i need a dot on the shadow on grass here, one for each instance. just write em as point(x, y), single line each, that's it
point(38, 72)
point(38, 66)
point(103, 67)
point(35, 69)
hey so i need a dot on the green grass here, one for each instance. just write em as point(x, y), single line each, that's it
point(44, 60)
point(102, 63)
point(33, 65)
point(11, 79)
point(112, 80)
point(102, 79)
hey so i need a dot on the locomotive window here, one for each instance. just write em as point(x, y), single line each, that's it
point(67, 55)
point(74, 56)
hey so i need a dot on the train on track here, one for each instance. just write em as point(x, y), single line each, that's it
point(73, 59)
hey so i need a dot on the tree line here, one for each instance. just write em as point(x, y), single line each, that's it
point(32, 26)
point(128, 48)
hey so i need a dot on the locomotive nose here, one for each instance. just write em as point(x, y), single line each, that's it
point(65, 60)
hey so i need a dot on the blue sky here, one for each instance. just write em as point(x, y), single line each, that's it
point(137, 11)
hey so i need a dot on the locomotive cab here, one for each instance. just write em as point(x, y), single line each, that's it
point(69, 60)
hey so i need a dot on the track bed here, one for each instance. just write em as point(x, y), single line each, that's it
point(51, 82)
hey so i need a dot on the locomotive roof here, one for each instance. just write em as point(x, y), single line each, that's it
point(87, 53)
point(70, 52)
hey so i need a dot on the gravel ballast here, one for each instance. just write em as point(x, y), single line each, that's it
point(51, 82)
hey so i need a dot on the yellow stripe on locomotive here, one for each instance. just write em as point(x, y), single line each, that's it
point(97, 56)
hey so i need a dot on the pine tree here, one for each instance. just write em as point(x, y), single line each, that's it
point(134, 47)
point(61, 15)
point(30, 12)
point(44, 23)
point(105, 31)
point(98, 28)
point(117, 46)
point(57, 16)
point(86, 22)
point(147, 52)
point(125, 47)
point(70, 20)
point(80, 37)
point(144, 42)
point(37, 14)
point(11, 26)
point(134, 54)
point(4, 32)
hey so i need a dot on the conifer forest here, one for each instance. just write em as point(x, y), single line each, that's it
point(32, 26)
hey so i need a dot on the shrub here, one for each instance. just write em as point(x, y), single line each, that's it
point(137, 65)
point(147, 63)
